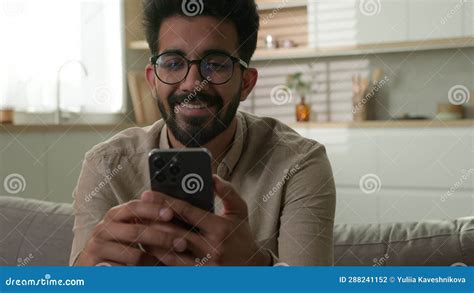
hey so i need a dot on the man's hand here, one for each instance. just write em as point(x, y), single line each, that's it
point(223, 239)
point(115, 239)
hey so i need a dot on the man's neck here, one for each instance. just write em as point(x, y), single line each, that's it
point(218, 146)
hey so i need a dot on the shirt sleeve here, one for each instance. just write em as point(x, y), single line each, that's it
point(307, 218)
point(92, 199)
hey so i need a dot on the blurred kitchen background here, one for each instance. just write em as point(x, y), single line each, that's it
point(386, 85)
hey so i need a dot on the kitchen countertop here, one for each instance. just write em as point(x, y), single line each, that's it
point(388, 124)
point(10, 128)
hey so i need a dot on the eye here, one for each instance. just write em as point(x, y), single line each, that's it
point(171, 63)
point(218, 64)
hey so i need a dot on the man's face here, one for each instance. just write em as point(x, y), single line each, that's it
point(195, 110)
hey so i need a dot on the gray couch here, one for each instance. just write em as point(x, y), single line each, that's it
point(38, 233)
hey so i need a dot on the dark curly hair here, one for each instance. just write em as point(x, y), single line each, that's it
point(243, 13)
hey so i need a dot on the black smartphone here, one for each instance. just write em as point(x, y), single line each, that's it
point(185, 174)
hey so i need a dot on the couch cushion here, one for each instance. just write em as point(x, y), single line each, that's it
point(34, 233)
point(429, 243)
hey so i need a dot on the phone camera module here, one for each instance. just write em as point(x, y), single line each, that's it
point(160, 177)
point(175, 170)
point(159, 163)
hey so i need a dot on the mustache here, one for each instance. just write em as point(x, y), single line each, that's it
point(178, 99)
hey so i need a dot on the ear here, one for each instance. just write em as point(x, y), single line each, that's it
point(249, 80)
point(150, 77)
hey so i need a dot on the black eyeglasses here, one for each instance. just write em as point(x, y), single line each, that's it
point(217, 68)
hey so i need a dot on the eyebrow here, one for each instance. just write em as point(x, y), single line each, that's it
point(206, 52)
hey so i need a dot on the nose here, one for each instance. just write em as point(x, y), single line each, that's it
point(193, 80)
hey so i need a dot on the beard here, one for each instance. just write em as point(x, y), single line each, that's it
point(194, 132)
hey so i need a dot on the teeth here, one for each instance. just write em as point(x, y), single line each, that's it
point(195, 106)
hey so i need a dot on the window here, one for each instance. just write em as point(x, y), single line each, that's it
point(44, 41)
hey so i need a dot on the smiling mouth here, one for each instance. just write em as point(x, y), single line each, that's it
point(194, 108)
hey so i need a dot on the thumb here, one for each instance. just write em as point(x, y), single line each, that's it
point(233, 203)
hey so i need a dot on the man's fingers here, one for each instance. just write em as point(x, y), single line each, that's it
point(144, 211)
point(171, 258)
point(204, 220)
point(114, 253)
point(233, 203)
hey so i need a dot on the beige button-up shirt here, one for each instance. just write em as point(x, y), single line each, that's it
point(285, 179)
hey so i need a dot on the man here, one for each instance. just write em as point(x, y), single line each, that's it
point(276, 190)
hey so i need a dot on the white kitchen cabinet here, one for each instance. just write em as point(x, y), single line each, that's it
point(345, 150)
point(356, 22)
point(416, 169)
point(384, 21)
point(47, 163)
point(22, 165)
point(469, 18)
point(425, 158)
point(435, 19)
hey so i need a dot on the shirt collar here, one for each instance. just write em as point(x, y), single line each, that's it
point(233, 155)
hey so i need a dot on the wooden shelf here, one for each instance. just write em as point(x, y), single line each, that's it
point(387, 124)
point(302, 53)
